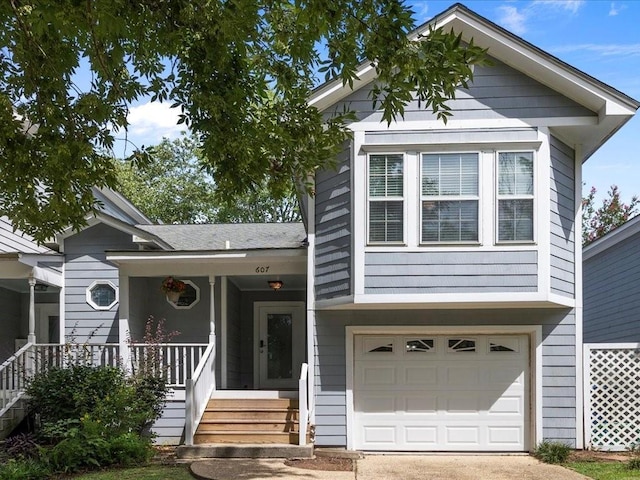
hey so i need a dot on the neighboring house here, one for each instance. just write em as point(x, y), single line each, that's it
point(434, 291)
point(611, 279)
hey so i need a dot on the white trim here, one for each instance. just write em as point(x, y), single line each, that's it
point(358, 220)
point(608, 346)
point(124, 333)
point(535, 380)
point(455, 124)
point(223, 332)
point(191, 305)
point(63, 307)
point(586, 394)
point(543, 213)
point(94, 305)
point(310, 302)
point(386, 199)
point(259, 394)
point(578, 293)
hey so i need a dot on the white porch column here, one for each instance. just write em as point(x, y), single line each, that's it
point(124, 332)
point(212, 309)
point(31, 337)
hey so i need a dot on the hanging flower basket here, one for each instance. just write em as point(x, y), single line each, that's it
point(173, 288)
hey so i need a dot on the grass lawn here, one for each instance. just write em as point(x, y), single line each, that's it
point(152, 472)
point(604, 470)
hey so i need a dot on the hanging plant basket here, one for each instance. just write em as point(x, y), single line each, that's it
point(173, 296)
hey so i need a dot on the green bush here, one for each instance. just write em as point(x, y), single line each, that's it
point(552, 452)
point(24, 469)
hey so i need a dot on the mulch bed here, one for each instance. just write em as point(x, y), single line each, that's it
point(595, 456)
point(331, 464)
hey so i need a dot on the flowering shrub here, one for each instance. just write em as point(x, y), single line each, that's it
point(171, 284)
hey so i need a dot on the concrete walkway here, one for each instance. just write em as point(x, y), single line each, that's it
point(392, 467)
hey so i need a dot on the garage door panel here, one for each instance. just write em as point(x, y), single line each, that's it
point(437, 399)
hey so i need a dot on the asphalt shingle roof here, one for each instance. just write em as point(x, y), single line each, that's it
point(241, 236)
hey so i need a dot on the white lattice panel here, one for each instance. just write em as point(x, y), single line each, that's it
point(613, 393)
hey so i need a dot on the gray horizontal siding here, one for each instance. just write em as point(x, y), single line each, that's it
point(85, 263)
point(17, 241)
point(558, 361)
point(497, 91)
point(562, 219)
point(333, 229)
point(611, 283)
point(169, 428)
point(450, 272)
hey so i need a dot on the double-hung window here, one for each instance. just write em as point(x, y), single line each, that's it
point(386, 198)
point(449, 197)
point(515, 197)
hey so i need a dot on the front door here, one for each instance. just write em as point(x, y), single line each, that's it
point(280, 344)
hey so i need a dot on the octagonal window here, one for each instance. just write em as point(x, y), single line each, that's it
point(188, 298)
point(102, 295)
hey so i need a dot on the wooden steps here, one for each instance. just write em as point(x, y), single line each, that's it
point(249, 421)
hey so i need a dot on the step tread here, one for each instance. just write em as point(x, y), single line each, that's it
point(247, 420)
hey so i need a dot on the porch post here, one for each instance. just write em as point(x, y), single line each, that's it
point(31, 337)
point(123, 321)
point(212, 309)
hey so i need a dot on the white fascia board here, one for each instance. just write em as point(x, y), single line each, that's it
point(173, 256)
point(446, 301)
point(335, 91)
point(125, 205)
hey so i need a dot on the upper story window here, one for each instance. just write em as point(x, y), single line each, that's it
point(386, 198)
point(449, 197)
point(515, 197)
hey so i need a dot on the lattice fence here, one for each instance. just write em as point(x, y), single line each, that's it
point(612, 396)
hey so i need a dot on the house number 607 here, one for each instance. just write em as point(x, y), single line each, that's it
point(262, 269)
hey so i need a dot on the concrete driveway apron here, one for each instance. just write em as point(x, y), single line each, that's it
point(460, 467)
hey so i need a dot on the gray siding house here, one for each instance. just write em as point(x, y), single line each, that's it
point(431, 301)
point(611, 272)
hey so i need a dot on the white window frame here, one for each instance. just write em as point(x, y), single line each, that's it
point(93, 304)
point(186, 307)
point(371, 199)
point(498, 197)
point(454, 198)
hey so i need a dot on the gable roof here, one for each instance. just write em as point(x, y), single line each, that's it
point(240, 236)
point(613, 107)
point(628, 229)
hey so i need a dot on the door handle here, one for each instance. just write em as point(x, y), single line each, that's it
point(261, 343)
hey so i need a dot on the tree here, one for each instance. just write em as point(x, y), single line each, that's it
point(597, 222)
point(172, 188)
point(241, 72)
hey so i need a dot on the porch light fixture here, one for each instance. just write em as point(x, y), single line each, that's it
point(275, 284)
point(40, 287)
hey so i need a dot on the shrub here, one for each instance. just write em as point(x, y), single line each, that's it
point(633, 463)
point(20, 446)
point(552, 452)
point(24, 469)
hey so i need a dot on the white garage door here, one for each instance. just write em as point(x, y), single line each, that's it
point(439, 393)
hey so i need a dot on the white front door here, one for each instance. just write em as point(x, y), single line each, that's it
point(280, 344)
point(441, 392)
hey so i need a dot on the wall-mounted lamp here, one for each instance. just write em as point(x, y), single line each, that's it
point(275, 284)
point(40, 287)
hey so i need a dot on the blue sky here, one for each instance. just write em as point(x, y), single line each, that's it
point(601, 38)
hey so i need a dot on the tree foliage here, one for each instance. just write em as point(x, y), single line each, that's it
point(598, 221)
point(173, 188)
point(241, 72)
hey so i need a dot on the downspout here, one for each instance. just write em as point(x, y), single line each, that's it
point(311, 304)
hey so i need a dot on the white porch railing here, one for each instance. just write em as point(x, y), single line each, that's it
point(14, 373)
point(303, 404)
point(47, 355)
point(177, 361)
point(198, 392)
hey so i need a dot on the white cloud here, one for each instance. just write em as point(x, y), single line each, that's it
point(150, 122)
point(512, 19)
point(421, 9)
point(604, 50)
point(515, 19)
point(615, 9)
point(569, 5)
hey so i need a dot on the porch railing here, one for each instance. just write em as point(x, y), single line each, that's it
point(198, 392)
point(14, 373)
point(176, 361)
point(48, 355)
point(303, 404)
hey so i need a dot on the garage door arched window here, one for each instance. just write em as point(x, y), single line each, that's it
point(102, 295)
